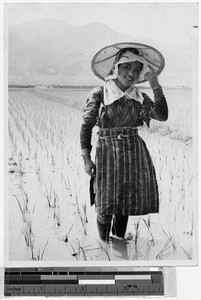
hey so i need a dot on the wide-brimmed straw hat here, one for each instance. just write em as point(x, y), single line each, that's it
point(103, 61)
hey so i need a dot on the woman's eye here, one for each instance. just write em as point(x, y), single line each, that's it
point(137, 72)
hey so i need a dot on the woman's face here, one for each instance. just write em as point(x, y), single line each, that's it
point(128, 73)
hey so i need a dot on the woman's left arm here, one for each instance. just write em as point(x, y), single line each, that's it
point(160, 110)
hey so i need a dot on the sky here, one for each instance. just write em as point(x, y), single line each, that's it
point(169, 22)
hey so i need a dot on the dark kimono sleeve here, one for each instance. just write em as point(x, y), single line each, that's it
point(89, 118)
point(156, 109)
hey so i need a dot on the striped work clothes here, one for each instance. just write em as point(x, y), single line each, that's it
point(125, 181)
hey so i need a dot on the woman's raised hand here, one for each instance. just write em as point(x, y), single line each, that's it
point(152, 78)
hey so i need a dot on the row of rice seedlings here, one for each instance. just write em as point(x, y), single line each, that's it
point(27, 226)
point(42, 131)
point(56, 213)
point(179, 177)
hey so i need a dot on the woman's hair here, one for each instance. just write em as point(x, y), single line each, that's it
point(119, 55)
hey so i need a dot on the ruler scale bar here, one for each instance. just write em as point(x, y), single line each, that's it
point(77, 281)
point(72, 289)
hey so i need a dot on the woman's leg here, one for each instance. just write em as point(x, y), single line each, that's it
point(104, 225)
point(119, 225)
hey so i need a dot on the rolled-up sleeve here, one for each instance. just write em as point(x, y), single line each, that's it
point(90, 117)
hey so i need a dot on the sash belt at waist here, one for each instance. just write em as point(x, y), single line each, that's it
point(119, 133)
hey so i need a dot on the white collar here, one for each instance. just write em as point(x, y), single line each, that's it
point(112, 93)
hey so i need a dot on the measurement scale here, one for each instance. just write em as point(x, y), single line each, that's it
point(82, 281)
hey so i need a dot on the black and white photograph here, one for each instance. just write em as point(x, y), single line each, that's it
point(101, 133)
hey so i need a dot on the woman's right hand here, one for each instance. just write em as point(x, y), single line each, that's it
point(89, 167)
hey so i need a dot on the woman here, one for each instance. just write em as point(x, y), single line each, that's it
point(125, 180)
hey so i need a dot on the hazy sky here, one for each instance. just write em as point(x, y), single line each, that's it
point(169, 22)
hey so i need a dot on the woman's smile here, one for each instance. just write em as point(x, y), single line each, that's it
point(129, 79)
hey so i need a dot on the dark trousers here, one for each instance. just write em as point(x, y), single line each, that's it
point(118, 227)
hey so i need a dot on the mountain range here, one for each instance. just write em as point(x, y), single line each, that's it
point(54, 52)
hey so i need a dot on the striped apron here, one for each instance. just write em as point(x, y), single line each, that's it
point(125, 180)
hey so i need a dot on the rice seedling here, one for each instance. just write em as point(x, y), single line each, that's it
point(38, 170)
point(53, 162)
point(75, 254)
point(67, 185)
point(82, 219)
point(20, 163)
point(148, 225)
point(188, 254)
point(56, 210)
point(150, 245)
point(66, 237)
point(104, 247)
point(29, 147)
point(38, 256)
point(27, 219)
point(84, 209)
point(87, 252)
point(51, 200)
point(190, 216)
point(137, 231)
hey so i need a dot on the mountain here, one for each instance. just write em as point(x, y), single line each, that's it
point(55, 52)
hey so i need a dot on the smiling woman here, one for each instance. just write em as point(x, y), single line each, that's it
point(124, 175)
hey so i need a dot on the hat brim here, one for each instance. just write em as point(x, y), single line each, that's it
point(103, 60)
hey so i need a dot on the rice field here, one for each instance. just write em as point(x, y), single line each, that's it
point(50, 217)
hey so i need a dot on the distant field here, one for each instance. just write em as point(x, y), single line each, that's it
point(178, 126)
point(50, 215)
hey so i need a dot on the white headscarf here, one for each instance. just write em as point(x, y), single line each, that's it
point(112, 92)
